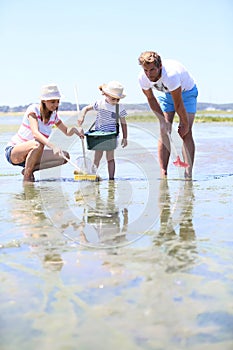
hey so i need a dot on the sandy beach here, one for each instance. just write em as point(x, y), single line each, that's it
point(139, 263)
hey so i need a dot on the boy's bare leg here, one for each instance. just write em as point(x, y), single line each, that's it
point(97, 158)
point(111, 164)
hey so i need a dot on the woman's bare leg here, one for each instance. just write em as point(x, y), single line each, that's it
point(35, 157)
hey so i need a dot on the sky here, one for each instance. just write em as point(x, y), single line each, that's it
point(86, 43)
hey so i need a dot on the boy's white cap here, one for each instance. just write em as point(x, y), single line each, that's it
point(113, 89)
point(50, 92)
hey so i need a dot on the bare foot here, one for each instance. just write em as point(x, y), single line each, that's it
point(27, 178)
point(163, 173)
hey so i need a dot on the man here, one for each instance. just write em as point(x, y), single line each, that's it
point(178, 93)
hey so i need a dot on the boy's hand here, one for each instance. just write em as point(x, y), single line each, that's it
point(80, 121)
point(124, 143)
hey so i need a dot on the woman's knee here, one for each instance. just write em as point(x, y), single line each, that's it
point(38, 146)
point(66, 154)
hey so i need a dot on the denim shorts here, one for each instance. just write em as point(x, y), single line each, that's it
point(189, 99)
point(8, 150)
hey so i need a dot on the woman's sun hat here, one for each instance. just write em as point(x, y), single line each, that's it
point(113, 89)
point(50, 92)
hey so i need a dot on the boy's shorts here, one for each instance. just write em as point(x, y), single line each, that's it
point(189, 99)
point(8, 150)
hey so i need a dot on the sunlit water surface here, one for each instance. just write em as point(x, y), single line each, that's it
point(139, 263)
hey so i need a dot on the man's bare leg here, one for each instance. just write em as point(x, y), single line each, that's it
point(188, 149)
point(164, 147)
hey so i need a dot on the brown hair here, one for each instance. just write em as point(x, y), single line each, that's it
point(45, 113)
point(150, 57)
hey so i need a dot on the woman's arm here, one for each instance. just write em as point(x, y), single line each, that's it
point(35, 130)
point(70, 131)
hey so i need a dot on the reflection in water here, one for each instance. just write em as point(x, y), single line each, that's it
point(28, 212)
point(29, 215)
point(181, 247)
point(103, 222)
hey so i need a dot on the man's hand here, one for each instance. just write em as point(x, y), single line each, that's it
point(183, 129)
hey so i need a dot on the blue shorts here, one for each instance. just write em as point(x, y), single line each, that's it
point(8, 150)
point(189, 99)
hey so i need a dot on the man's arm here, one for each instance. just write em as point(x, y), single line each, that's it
point(183, 127)
point(155, 107)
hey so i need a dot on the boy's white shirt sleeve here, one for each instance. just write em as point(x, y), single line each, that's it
point(122, 111)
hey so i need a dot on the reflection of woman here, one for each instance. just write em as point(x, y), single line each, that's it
point(35, 226)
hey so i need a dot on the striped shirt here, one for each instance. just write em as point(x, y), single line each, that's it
point(106, 115)
point(25, 134)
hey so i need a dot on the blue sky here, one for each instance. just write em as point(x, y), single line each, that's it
point(88, 42)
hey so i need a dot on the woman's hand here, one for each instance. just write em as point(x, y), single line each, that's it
point(56, 150)
point(78, 131)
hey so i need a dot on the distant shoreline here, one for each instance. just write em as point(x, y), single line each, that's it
point(204, 116)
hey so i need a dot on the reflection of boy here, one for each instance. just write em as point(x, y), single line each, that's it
point(106, 120)
point(109, 223)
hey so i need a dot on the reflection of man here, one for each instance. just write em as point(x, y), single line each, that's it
point(187, 231)
point(166, 224)
point(181, 248)
point(184, 207)
point(178, 94)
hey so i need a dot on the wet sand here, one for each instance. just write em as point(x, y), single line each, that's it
point(139, 263)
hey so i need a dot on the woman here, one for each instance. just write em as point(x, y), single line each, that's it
point(26, 147)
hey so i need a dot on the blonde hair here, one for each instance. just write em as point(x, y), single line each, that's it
point(150, 57)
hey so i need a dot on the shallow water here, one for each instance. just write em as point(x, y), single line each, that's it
point(139, 263)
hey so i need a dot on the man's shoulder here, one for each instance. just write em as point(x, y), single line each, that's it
point(141, 74)
point(173, 66)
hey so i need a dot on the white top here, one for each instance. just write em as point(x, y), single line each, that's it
point(174, 75)
point(106, 115)
point(25, 134)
